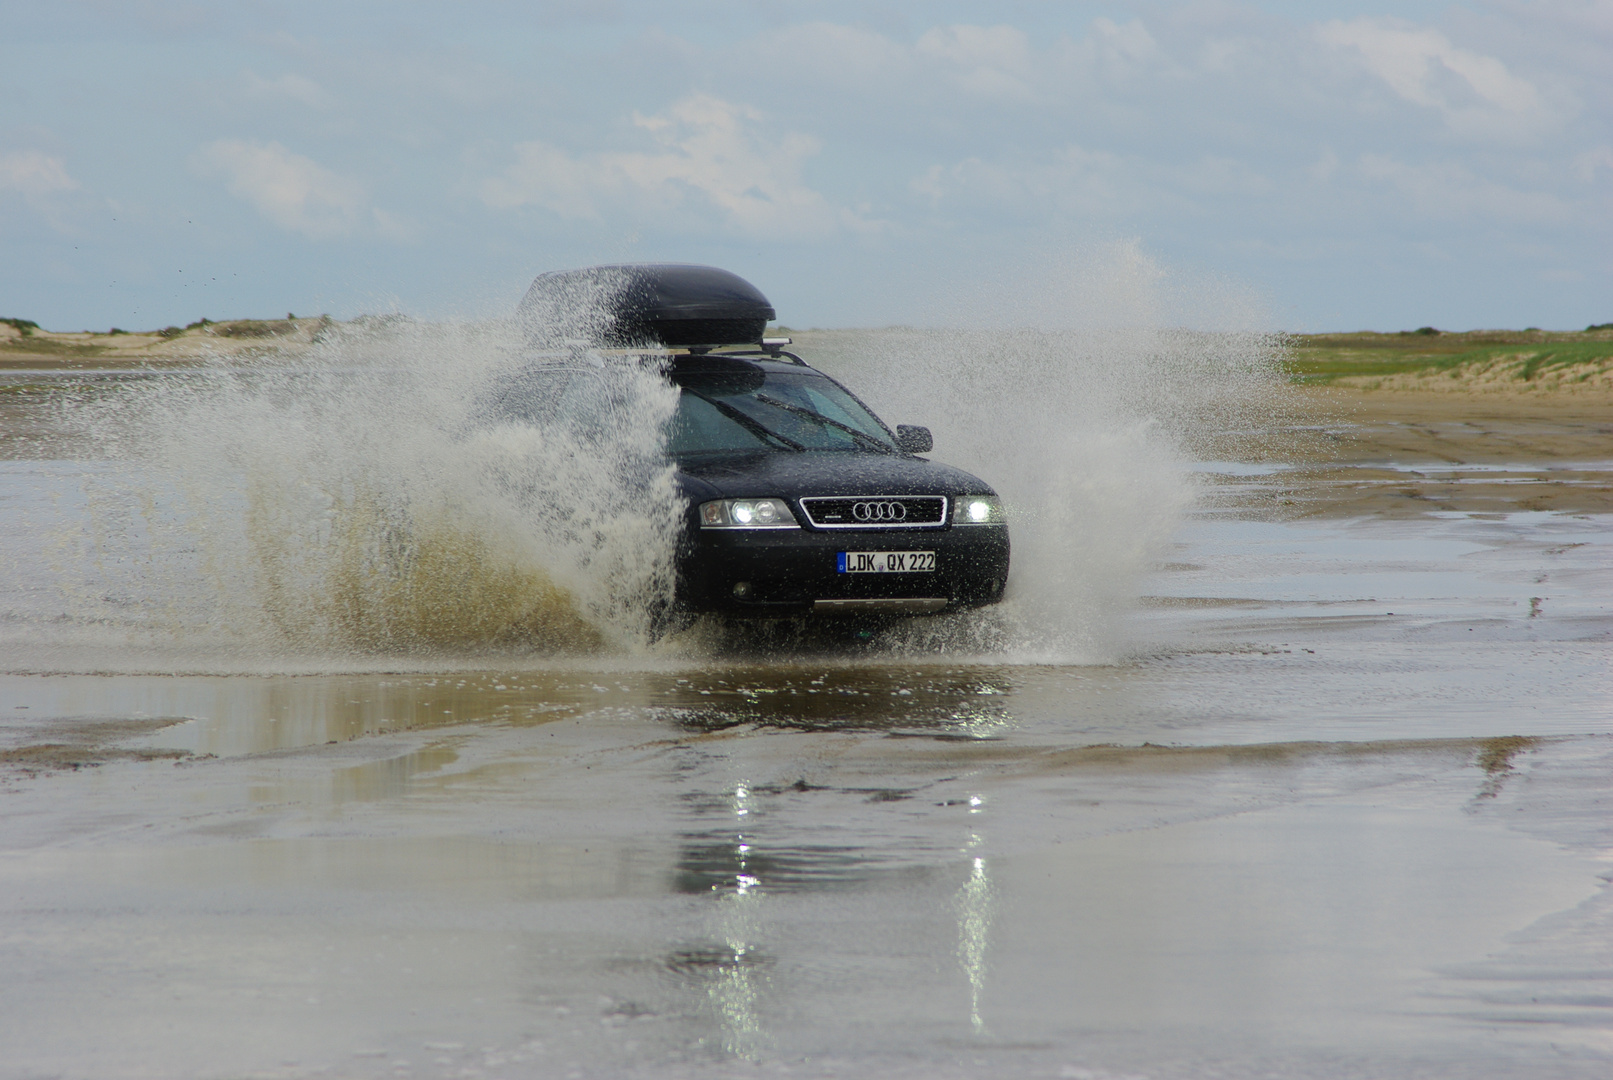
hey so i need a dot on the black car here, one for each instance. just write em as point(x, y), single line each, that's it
point(800, 501)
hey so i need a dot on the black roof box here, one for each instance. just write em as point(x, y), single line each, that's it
point(649, 303)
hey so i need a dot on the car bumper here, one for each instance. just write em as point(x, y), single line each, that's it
point(786, 573)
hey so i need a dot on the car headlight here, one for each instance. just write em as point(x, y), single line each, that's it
point(977, 510)
point(747, 514)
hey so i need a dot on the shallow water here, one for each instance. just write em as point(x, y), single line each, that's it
point(1336, 806)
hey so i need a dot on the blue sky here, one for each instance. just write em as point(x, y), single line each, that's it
point(1346, 166)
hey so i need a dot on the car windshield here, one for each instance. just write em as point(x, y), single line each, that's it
point(774, 411)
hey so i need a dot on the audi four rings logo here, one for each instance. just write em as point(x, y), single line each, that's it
point(879, 511)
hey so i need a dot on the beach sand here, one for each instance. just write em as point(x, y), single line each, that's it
point(1342, 451)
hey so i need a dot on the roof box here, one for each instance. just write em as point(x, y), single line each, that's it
point(645, 304)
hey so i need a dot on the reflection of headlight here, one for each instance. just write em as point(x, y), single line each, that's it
point(977, 510)
point(747, 514)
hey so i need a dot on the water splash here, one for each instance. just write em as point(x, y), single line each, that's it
point(1082, 423)
point(355, 499)
point(361, 500)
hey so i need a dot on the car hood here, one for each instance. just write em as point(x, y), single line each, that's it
point(790, 475)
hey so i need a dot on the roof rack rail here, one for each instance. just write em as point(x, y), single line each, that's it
point(772, 348)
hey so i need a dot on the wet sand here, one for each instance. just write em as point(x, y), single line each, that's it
point(1340, 811)
point(661, 887)
point(1342, 452)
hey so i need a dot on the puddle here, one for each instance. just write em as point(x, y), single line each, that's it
point(1209, 911)
point(1322, 922)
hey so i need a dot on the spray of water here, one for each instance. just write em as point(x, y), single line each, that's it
point(362, 499)
point(1081, 404)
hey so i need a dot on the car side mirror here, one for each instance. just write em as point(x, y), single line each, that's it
point(913, 439)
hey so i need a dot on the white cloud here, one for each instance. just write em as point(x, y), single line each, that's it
point(836, 54)
point(294, 87)
point(1476, 94)
point(1074, 179)
point(1001, 65)
point(1087, 182)
point(1450, 191)
point(1123, 46)
point(33, 173)
point(394, 228)
point(987, 60)
point(290, 190)
point(1325, 166)
point(1591, 162)
point(1218, 175)
point(707, 157)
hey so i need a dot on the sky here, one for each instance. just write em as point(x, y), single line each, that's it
point(1298, 166)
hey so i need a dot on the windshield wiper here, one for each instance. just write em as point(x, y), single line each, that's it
point(744, 420)
point(879, 445)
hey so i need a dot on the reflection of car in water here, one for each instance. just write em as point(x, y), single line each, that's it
point(800, 500)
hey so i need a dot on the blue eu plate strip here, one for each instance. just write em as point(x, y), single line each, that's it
point(842, 562)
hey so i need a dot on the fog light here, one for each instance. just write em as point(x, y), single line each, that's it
point(741, 589)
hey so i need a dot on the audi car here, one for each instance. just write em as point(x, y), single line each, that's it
point(800, 501)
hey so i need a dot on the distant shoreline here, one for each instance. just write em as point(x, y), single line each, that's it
point(24, 344)
point(1541, 364)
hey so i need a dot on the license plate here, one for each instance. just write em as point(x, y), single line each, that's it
point(886, 562)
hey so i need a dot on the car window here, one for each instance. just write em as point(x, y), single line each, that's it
point(780, 409)
point(583, 403)
point(698, 426)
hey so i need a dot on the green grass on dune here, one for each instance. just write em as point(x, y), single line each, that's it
point(1323, 358)
point(32, 342)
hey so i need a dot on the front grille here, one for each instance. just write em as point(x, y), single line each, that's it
point(876, 511)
